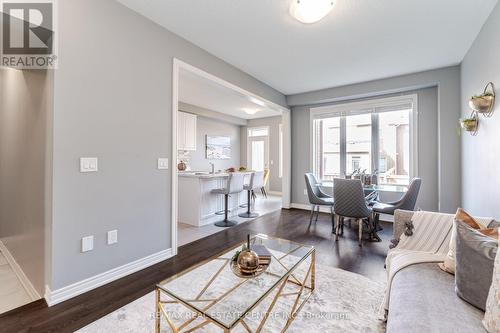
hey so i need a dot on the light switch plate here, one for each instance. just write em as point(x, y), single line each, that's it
point(112, 237)
point(87, 243)
point(162, 163)
point(88, 164)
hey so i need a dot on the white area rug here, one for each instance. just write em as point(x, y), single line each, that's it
point(342, 302)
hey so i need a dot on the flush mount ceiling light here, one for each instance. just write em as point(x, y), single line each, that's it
point(310, 11)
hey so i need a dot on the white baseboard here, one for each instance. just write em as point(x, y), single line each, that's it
point(323, 209)
point(26, 283)
point(53, 297)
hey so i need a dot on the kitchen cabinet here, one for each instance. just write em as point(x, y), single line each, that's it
point(198, 205)
point(186, 131)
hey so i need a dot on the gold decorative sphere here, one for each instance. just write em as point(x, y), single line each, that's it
point(248, 261)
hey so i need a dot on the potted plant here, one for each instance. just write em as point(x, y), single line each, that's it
point(482, 103)
point(469, 124)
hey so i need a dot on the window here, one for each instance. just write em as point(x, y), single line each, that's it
point(355, 162)
point(327, 138)
point(258, 163)
point(359, 143)
point(394, 147)
point(371, 137)
point(258, 131)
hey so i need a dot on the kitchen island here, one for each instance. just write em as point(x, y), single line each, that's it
point(197, 205)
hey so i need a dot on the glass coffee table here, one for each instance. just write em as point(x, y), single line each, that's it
point(211, 294)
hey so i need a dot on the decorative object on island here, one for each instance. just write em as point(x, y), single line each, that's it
point(242, 168)
point(485, 102)
point(246, 263)
point(181, 166)
point(218, 147)
point(231, 169)
point(470, 124)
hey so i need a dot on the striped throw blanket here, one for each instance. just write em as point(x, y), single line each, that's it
point(430, 242)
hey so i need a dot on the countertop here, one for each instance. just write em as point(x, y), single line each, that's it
point(205, 175)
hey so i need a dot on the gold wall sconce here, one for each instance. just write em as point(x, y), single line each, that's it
point(480, 104)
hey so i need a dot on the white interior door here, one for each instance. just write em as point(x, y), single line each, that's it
point(258, 153)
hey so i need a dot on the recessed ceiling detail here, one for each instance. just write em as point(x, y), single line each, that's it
point(358, 41)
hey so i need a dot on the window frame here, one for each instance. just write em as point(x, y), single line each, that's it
point(373, 106)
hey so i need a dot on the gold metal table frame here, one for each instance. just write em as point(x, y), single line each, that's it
point(305, 286)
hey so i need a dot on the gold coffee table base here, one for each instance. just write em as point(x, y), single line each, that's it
point(289, 278)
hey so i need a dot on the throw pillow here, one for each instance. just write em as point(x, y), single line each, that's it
point(475, 257)
point(449, 262)
point(491, 319)
point(465, 217)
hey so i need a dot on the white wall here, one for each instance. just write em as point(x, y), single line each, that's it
point(113, 101)
point(480, 154)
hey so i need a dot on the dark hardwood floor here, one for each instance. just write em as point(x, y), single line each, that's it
point(290, 224)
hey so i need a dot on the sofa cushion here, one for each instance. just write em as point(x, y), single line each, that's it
point(475, 257)
point(492, 315)
point(423, 299)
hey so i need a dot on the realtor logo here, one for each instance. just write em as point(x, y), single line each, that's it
point(28, 34)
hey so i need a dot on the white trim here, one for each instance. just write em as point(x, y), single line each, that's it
point(25, 282)
point(344, 108)
point(286, 182)
point(53, 297)
point(173, 175)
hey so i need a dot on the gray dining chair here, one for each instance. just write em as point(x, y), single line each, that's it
point(318, 198)
point(350, 203)
point(407, 201)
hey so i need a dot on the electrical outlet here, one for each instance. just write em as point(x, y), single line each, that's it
point(305, 191)
point(88, 164)
point(112, 237)
point(162, 163)
point(87, 243)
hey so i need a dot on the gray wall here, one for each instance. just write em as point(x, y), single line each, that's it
point(427, 150)
point(440, 148)
point(113, 101)
point(273, 123)
point(207, 126)
point(480, 154)
point(25, 101)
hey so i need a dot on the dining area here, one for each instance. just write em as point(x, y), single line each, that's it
point(350, 200)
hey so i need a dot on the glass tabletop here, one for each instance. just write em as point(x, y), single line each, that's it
point(380, 188)
point(212, 289)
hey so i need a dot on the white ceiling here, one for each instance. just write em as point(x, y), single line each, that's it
point(360, 40)
point(202, 92)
